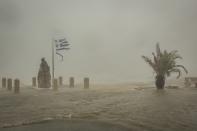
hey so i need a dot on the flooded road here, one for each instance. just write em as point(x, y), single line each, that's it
point(138, 108)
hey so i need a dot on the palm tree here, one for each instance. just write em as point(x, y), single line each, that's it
point(164, 63)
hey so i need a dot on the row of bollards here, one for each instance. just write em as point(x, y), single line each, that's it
point(59, 82)
point(7, 83)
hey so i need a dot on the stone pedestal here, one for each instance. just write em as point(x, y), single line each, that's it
point(60, 81)
point(71, 82)
point(55, 84)
point(34, 82)
point(16, 86)
point(9, 84)
point(86, 83)
point(3, 82)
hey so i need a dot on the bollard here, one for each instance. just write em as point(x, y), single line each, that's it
point(86, 83)
point(34, 81)
point(196, 85)
point(3, 82)
point(72, 82)
point(16, 86)
point(60, 81)
point(9, 84)
point(55, 84)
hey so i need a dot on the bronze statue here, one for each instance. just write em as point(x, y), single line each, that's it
point(44, 76)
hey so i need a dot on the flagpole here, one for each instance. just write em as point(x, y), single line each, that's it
point(53, 64)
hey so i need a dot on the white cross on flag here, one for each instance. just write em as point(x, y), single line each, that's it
point(61, 44)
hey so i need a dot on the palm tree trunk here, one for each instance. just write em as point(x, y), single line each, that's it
point(160, 81)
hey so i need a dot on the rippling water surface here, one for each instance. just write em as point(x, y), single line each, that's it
point(139, 108)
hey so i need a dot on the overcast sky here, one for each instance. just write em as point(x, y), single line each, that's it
point(107, 37)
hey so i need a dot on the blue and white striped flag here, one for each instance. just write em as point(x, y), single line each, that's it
point(61, 44)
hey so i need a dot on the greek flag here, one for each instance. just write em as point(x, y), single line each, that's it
point(61, 44)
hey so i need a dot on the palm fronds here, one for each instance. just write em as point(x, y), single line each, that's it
point(149, 61)
point(164, 63)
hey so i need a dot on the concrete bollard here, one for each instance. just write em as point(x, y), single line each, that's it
point(86, 83)
point(16, 86)
point(9, 84)
point(60, 81)
point(34, 81)
point(71, 82)
point(55, 84)
point(3, 82)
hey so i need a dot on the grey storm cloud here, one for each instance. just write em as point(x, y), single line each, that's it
point(107, 37)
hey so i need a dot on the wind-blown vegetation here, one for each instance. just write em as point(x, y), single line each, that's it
point(164, 63)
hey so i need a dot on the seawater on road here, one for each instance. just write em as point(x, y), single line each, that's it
point(69, 125)
point(138, 108)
